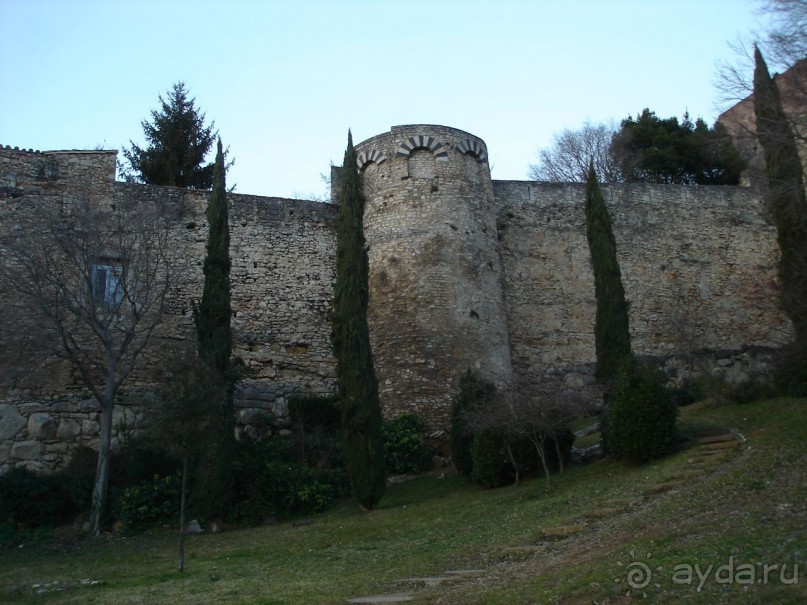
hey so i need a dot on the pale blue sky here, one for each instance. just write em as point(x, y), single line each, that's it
point(284, 80)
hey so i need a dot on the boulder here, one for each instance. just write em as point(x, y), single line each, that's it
point(11, 421)
point(68, 430)
point(41, 426)
point(27, 450)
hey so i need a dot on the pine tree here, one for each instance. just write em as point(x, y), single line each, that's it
point(212, 319)
point(178, 142)
point(786, 194)
point(611, 331)
point(358, 387)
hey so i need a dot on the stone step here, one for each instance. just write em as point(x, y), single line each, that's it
point(663, 488)
point(382, 598)
point(717, 439)
point(466, 572)
point(716, 447)
point(428, 582)
point(561, 532)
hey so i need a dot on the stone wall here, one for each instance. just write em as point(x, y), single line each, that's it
point(436, 297)
point(282, 276)
point(698, 265)
point(464, 272)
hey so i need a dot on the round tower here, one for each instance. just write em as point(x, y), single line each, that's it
point(436, 282)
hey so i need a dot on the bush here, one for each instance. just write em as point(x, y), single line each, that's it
point(640, 419)
point(473, 392)
point(491, 464)
point(687, 394)
point(148, 503)
point(30, 500)
point(404, 450)
point(284, 489)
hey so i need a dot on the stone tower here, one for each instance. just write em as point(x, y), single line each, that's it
point(436, 281)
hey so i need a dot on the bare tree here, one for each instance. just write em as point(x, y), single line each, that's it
point(182, 421)
point(95, 277)
point(568, 158)
point(783, 42)
point(539, 415)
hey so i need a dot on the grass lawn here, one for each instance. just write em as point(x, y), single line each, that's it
point(746, 510)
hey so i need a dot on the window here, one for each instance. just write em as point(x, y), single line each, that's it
point(107, 283)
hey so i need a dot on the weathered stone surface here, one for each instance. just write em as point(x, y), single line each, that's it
point(27, 450)
point(89, 405)
point(68, 429)
point(11, 421)
point(90, 427)
point(41, 426)
point(465, 272)
point(30, 408)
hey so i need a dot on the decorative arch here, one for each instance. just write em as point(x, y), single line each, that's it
point(367, 157)
point(422, 142)
point(474, 148)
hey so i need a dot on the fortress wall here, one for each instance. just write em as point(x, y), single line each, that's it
point(464, 272)
point(698, 265)
point(282, 254)
point(436, 297)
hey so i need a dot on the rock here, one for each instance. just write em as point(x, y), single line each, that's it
point(11, 421)
point(280, 407)
point(90, 427)
point(68, 430)
point(194, 528)
point(30, 408)
point(41, 426)
point(89, 405)
point(27, 450)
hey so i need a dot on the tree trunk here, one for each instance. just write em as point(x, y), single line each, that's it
point(101, 486)
point(559, 453)
point(181, 561)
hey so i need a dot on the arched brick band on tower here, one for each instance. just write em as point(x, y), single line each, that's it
point(368, 157)
point(474, 148)
point(422, 142)
point(436, 285)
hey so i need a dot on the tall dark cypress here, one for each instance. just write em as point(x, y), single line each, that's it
point(611, 331)
point(786, 192)
point(358, 387)
point(212, 318)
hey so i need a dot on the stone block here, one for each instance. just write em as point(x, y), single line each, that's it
point(62, 407)
point(27, 450)
point(89, 405)
point(11, 421)
point(68, 430)
point(33, 466)
point(90, 427)
point(32, 407)
point(41, 426)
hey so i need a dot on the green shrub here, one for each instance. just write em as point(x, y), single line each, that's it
point(270, 488)
point(473, 391)
point(404, 450)
point(30, 500)
point(790, 375)
point(148, 503)
point(640, 419)
point(491, 464)
point(686, 394)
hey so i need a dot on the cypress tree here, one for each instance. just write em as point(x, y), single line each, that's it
point(358, 387)
point(611, 331)
point(786, 192)
point(212, 319)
